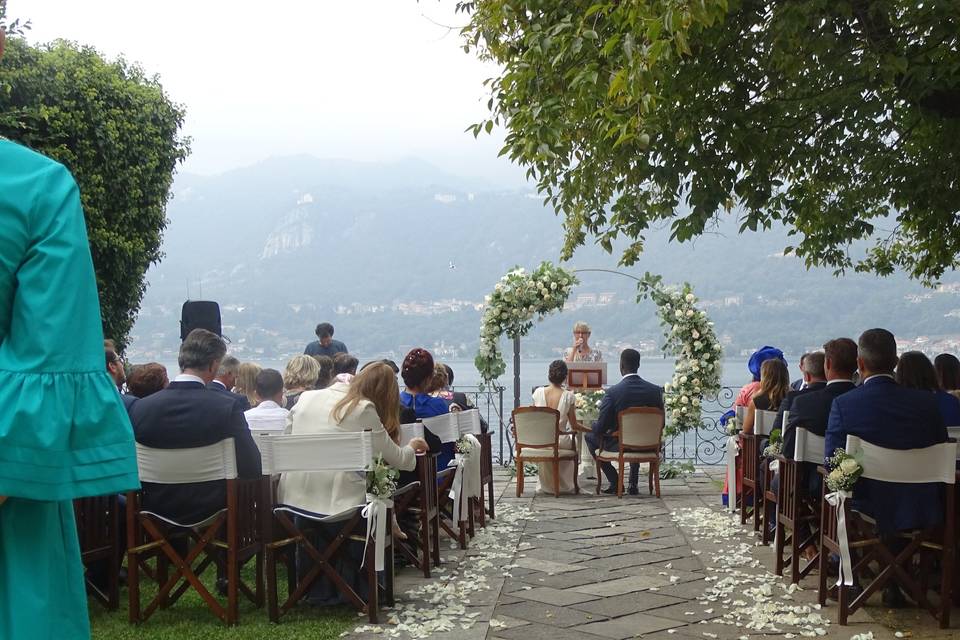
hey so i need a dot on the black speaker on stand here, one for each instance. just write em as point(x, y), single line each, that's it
point(199, 314)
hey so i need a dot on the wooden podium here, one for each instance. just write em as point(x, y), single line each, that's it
point(586, 376)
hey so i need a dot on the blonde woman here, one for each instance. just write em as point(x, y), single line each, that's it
point(246, 382)
point(774, 386)
point(370, 402)
point(300, 375)
point(581, 351)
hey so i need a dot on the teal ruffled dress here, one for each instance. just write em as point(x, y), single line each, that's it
point(64, 433)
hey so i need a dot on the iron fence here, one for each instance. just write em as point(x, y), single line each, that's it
point(704, 445)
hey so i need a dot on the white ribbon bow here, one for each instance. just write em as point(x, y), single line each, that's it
point(456, 490)
point(733, 447)
point(375, 512)
point(466, 479)
point(837, 499)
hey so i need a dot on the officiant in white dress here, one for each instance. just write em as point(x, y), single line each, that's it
point(555, 396)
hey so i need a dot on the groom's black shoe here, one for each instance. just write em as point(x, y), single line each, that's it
point(633, 491)
point(611, 490)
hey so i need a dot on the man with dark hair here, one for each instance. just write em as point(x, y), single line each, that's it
point(888, 415)
point(269, 414)
point(345, 363)
point(798, 384)
point(631, 391)
point(325, 345)
point(117, 372)
point(226, 380)
point(186, 414)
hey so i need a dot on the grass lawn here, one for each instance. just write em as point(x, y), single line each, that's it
point(190, 619)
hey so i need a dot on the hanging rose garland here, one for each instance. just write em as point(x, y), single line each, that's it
point(511, 308)
point(691, 339)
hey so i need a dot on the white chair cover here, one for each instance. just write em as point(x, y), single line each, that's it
point(763, 422)
point(808, 447)
point(936, 463)
point(445, 427)
point(410, 431)
point(316, 452)
point(217, 461)
point(536, 428)
point(954, 432)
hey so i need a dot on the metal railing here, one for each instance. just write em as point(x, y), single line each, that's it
point(704, 445)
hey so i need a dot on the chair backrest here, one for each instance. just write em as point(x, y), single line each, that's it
point(954, 432)
point(808, 447)
point(763, 422)
point(468, 421)
point(316, 452)
point(445, 427)
point(536, 426)
point(936, 463)
point(641, 427)
point(410, 431)
point(217, 461)
point(783, 423)
point(741, 413)
point(258, 433)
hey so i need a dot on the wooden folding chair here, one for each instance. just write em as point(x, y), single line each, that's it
point(447, 429)
point(214, 539)
point(751, 446)
point(768, 496)
point(934, 464)
point(798, 512)
point(639, 437)
point(486, 474)
point(98, 530)
point(293, 526)
point(536, 431)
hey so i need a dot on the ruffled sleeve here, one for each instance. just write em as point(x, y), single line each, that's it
point(63, 430)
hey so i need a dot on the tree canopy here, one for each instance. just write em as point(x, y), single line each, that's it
point(839, 119)
point(119, 135)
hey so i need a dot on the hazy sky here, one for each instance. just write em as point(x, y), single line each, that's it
point(361, 79)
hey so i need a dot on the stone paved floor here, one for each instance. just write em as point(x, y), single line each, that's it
point(596, 567)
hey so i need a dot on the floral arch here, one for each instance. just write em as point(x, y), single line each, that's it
point(520, 297)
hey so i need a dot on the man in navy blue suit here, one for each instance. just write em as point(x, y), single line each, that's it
point(887, 415)
point(226, 380)
point(631, 391)
point(186, 414)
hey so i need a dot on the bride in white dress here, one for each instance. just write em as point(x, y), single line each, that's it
point(564, 401)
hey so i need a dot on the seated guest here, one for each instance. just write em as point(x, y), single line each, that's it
point(811, 366)
point(417, 374)
point(117, 372)
point(226, 378)
point(801, 382)
point(631, 391)
point(564, 401)
point(325, 345)
point(246, 382)
point(146, 379)
point(948, 373)
point(915, 371)
point(268, 413)
point(581, 350)
point(344, 367)
point(774, 385)
point(759, 356)
point(437, 387)
point(369, 402)
point(299, 376)
point(325, 376)
point(888, 415)
point(811, 410)
point(186, 415)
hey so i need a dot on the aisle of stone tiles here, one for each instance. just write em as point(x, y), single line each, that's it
point(595, 567)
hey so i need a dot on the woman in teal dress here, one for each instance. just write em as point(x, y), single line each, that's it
point(63, 431)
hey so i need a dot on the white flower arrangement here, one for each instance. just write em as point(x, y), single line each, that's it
point(588, 402)
point(690, 337)
point(464, 446)
point(381, 479)
point(845, 470)
point(510, 310)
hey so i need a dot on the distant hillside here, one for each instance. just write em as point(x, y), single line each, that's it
point(292, 241)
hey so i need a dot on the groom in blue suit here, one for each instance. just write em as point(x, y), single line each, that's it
point(885, 414)
point(631, 391)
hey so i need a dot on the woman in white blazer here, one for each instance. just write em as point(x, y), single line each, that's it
point(370, 402)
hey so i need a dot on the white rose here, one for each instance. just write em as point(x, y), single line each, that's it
point(696, 382)
point(689, 313)
point(836, 475)
point(695, 334)
point(691, 297)
point(697, 345)
point(678, 313)
point(696, 402)
point(684, 400)
point(666, 387)
point(683, 409)
point(695, 367)
point(683, 379)
point(849, 466)
point(717, 347)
